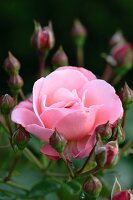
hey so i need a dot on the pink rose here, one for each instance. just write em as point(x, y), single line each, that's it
point(74, 102)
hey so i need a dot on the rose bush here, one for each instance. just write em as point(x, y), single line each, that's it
point(74, 102)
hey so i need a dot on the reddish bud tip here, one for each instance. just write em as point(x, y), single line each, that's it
point(123, 195)
point(6, 104)
point(21, 137)
point(126, 96)
point(43, 38)
point(60, 58)
point(107, 155)
point(11, 64)
point(15, 83)
point(104, 130)
point(57, 141)
point(92, 186)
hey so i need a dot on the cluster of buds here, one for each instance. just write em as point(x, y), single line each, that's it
point(43, 38)
point(92, 187)
point(60, 58)
point(12, 66)
point(107, 155)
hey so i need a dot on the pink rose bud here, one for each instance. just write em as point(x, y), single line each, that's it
point(15, 83)
point(6, 104)
point(105, 131)
point(21, 137)
point(117, 38)
point(123, 195)
point(11, 64)
point(123, 55)
point(60, 58)
point(78, 33)
point(43, 38)
point(107, 155)
point(126, 96)
point(57, 142)
point(92, 186)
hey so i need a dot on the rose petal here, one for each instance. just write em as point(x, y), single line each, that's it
point(51, 153)
point(77, 124)
point(88, 74)
point(24, 116)
point(40, 132)
point(99, 92)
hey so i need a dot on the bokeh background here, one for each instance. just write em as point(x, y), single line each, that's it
point(101, 18)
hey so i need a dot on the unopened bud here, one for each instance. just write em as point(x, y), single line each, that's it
point(107, 155)
point(92, 186)
point(57, 141)
point(11, 64)
point(120, 134)
point(43, 38)
point(117, 38)
point(126, 96)
point(6, 104)
point(104, 130)
point(123, 195)
point(60, 58)
point(15, 83)
point(21, 137)
point(79, 33)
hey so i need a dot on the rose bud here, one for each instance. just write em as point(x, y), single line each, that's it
point(123, 195)
point(20, 138)
point(15, 83)
point(126, 96)
point(117, 38)
point(78, 33)
point(104, 130)
point(60, 58)
point(11, 64)
point(92, 186)
point(6, 104)
point(43, 38)
point(57, 142)
point(120, 134)
point(107, 155)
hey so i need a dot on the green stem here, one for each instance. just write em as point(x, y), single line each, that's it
point(7, 120)
point(15, 161)
point(125, 148)
point(22, 94)
point(92, 171)
point(68, 166)
point(32, 158)
point(124, 118)
point(42, 63)
point(80, 56)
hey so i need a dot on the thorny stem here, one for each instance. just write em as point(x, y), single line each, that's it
point(68, 166)
point(80, 56)
point(15, 161)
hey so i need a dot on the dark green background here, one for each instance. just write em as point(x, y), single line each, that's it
point(101, 18)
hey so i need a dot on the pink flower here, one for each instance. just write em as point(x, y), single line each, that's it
point(122, 195)
point(74, 102)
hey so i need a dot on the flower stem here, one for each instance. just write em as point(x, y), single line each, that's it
point(68, 166)
point(80, 56)
point(22, 94)
point(125, 148)
point(15, 161)
point(42, 63)
point(32, 158)
point(124, 118)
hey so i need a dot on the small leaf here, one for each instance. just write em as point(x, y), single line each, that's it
point(116, 188)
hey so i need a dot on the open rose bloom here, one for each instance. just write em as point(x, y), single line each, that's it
point(74, 102)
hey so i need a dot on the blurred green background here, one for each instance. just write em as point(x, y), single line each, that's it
point(101, 18)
